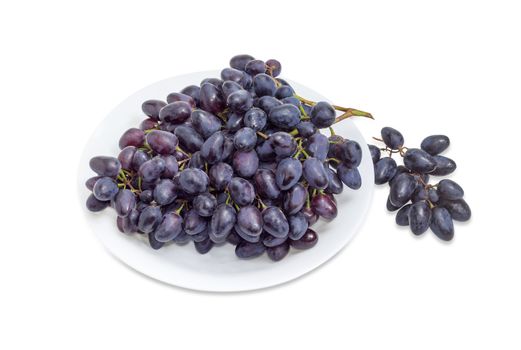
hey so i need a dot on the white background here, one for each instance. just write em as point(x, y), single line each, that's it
point(447, 67)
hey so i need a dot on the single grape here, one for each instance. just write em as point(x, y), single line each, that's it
point(318, 146)
point(419, 194)
point(193, 223)
point(105, 189)
point(265, 151)
point(315, 173)
point(384, 170)
point(205, 204)
point(231, 74)
point(274, 66)
point(182, 238)
point(93, 204)
point(275, 222)
point(154, 243)
point(148, 124)
point(444, 166)
point(152, 169)
point(402, 189)
point(149, 219)
point(292, 100)
point(234, 122)
point(267, 103)
point(189, 139)
point(230, 87)
point(306, 129)
point(334, 184)
point(249, 220)
point(171, 166)
point(233, 238)
point(203, 236)
point(212, 99)
point(310, 215)
point(458, 209)
point(255, 118)
point(245, 139)
point(241, 191)
point(91, 182)
point(247, 250)
point(124, 202)
point(392, 138)
point(284, 91)
point(264, 85)
point(126, 156)
point(283, 144)
point(245, 163)
point(419, 217)
point(400, 169)
point(152, 107)
point(324, 206)
point(271, 241)
point(435, 144)
point(162, 142)
point(245, 236)
point(255, 67)
point(350, 153)
point(288, 173)
point(194, 92)
point(228, 148)
point(441, 224)
point(193, 181)
point(349, 176)
point(205, 123)
point(212, 148)
point(175, 112)
point(223, 220)
point(239, 61)
point(240, 101)
point(132, 137)
point(279, 252)
point(402, 216)
point(129, 222)
point(203, 247)
point(375, 153)
point(450, 190)
point(177, 96)
point(165, 192)
point(170, 227)
point(322, 115)
point(294, 199)
point(220, 175)
point(285, 116)
point(390, 206)
point(265, 184)
point(197, 161)
point(432, 195)
point(307, 241)
point(105, 166)
point(146, 196)
point(419, 161)
point(218, 83)
point(298, 225)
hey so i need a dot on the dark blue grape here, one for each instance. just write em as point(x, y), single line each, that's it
point(240, 101)
point(292, 100)
point(264, 85)
point(170, 227)
point(228, 148)
point(249, 220)
point(349, 176)
point(154, 243)
point(435, 144)
point(206, 124)
point(255, 67)
point(384, 170)
point(444, 166)
point(162, 142)
point(433, 195)
point(193, 223)
point(230, 87)
point(318, 146)
point(285, 116)
point(171, 166)
point(274, 67)
point(146, 196)
point(126, 156)
point(275, 222)
point(298, 225)
point(255, 118)
point(189, 139)
point(197, 161)
point(402, 216)
point(124, 202)
point(233, 238)
point(265, 184)
point(193, 181)
point(205, 204)
point(306, 129)
point(203, 247)
point(390, 206)
point(267, 103)
point(149, 219)
point(212, 99)
point(265, 151)
point(419, 161)
point(334, 184)
point(458, 209)
point(392, 138)
point(310, 215)
point(105, 189)
point(402, 189)
point(375, 153)
point(279, 252)
point(93, 204)
point(283, 144)
point(288, 173)
point(132, 137)
point(218, 83)
point(202, 236)
point(284, 91)
point(129, 222)
point(247, 250)
point(245, 236)
point(419, 217)
point(324, 206)
point(148, 124)
point(175, 112)
point(212, 148)
point(294, 199)
point(450, 190)
point(231, 74)
point(419, 194)
point(271, 241)
point(223, 220)
point(245, 139)
point(165, 192)
point(177, 96)
point(241, 191)
point(220, 175)
point(322, 115)
point(441, 224)
point(91, 182)
point(307, 241)
point(182, 238)
point(234, 122)
point(350, 153)
point(245, 163)
point(152, 107)
point(105, 166)
point(315, 173)
point(239, 61)
point(152, 169)
point(194, 92)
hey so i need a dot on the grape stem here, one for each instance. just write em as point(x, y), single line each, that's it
point(348, 112)
point(263, 135)
point(183, 152)
point(178, 211)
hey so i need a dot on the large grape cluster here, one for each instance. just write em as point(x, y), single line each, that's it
point(419, 204)
point(239, 159)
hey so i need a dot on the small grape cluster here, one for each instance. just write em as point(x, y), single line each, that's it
point(420, 205)
point(239, 159)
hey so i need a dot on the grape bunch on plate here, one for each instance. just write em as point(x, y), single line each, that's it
point(420, 205)
point(237, 160)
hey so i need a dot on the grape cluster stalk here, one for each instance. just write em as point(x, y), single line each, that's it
point(239, 160)
point(418, 203)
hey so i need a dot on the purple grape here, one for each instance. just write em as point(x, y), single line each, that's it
point(249, 220)
point(205, 204)
point(255, 118)
point(294, 199)
point(402, 189)
point(203, 247)
point(322, 115)
point(170, 227)
point(458, 209)
point(444, 166)
point(392, 138)
point(450, 190)
point(265, 184)
point(205, 123)
point(239, 101)
point(189, 139)
point(254, 67)
point(245, 139)
point(223, 220)
point(176, 96)
point(419, 161)
point(126, 156)
point(441, 224)
point(419, 217)
point(334, 184)
point(324, 207)
point(310, 215)
point(239, 61)
point(152, 107)
point(93, 204)
point(307, 241)
point(105, 166)
point(171, 166)
point(242, 191)
point(279, 252)
point(105, 189)
point(283, 144)
point(245, 163)
point(193, 181)
point(162, 142)
point(384, 170)
point(306, 129)
point(212, 99)
point(267, 103)
point(231, 74)
point(285, 116)
point(152, 169)
point(194, 92)
point(435, 144)
point(124, 202)
point(298, 225)
point(247, 250)
point(264, 85)
point(315, 173)
point(91, 182)
point(288, 173)
point(375, 153)
point(193, 223)
point(274, 66)
point(165, 192)
point(132, 137)
point(220, 175)
point(176, 112)
point(318, 146)
point(149, 219)
point(212, 148)
point(275, 222)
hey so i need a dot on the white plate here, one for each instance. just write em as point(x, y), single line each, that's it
point(219, 270)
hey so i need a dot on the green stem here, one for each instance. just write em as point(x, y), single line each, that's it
point(180, 208)
point(293, 132)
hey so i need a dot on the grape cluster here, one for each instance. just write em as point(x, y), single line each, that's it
point(419, 204)
point(239, 159)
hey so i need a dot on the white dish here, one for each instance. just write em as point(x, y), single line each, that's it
point(219, 270)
